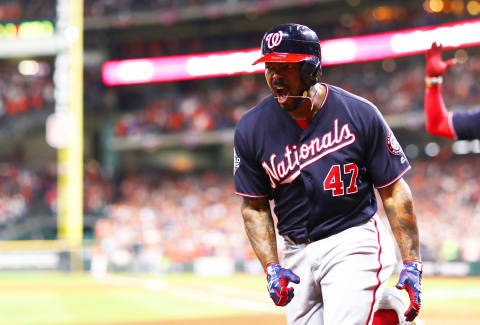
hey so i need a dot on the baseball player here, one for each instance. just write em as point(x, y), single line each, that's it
point(318, 152)
point(458, 125)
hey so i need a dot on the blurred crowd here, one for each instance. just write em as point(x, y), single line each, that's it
point(17, 186)
point(398, 86)
point(221, 105)
point(162, 220)
point(365, 21)
point(20, 93)
point(198, 108)
point(202, 109)
point(446, 197)
point(27, 191)
point(171, 219)
point(125, 7)
point(218, 104)
point(345, 20)
point(16, 11)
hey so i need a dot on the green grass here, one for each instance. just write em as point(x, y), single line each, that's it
point(49, 298)
point(245, 281)
point(59, 299)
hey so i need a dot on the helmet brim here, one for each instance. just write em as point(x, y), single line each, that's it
point(283, 57)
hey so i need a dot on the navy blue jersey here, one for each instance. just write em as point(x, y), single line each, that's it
point(322, 178)
point(467, 124)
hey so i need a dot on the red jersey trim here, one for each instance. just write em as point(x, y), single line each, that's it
point(395, 179)
point(249, 195)
point(450, 124)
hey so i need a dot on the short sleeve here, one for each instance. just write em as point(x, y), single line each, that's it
point(250, 178)
point(467, 124)
point(386, 160)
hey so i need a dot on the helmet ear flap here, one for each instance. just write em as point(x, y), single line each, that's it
point(311, 70)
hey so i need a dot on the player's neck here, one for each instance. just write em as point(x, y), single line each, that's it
point(306, 111)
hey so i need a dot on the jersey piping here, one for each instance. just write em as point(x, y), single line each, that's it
point(450, 124)
point(395, 179)
point(250, 195)
point(326, 95)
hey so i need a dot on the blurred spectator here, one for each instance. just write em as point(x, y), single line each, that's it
point(25, 191)
point(17, 11)
point(17, 186)
point(21, 93)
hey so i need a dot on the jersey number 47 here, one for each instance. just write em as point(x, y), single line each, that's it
point(334, 181)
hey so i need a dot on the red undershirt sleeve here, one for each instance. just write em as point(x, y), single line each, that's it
point(438, 121)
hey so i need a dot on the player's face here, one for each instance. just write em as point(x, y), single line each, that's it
point(284, 81)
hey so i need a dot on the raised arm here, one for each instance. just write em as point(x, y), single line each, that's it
point(398, 204)
point(438, 121)
point(260, 229)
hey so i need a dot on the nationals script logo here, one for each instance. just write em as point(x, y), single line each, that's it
point(274, 39)
point(281, 172)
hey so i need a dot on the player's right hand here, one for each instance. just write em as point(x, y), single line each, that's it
point(435, 65)
point(278, 279)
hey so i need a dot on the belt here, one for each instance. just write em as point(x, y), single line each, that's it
point(298, 241)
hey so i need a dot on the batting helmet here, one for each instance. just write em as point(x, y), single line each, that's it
point(293, 43)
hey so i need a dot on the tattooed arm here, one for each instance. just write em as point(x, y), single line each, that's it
point(397, 201)
point(258, 221)
point(398, 204)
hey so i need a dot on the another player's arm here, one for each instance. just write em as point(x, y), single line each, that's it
point(438, 121)
point(398, 203)
point(260, 229)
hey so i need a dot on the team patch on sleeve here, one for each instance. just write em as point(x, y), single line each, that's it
point(392, 144)
point(236, 161)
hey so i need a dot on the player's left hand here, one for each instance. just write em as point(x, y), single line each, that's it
point(410, 280)
point(435, 65)
point(278, 279)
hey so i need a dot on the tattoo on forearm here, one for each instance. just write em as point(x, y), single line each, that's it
point(260, 230)
point(399, 209)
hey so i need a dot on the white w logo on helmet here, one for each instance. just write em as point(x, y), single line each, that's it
point(274, 39)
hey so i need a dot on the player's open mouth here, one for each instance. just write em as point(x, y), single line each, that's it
point(281, 94)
